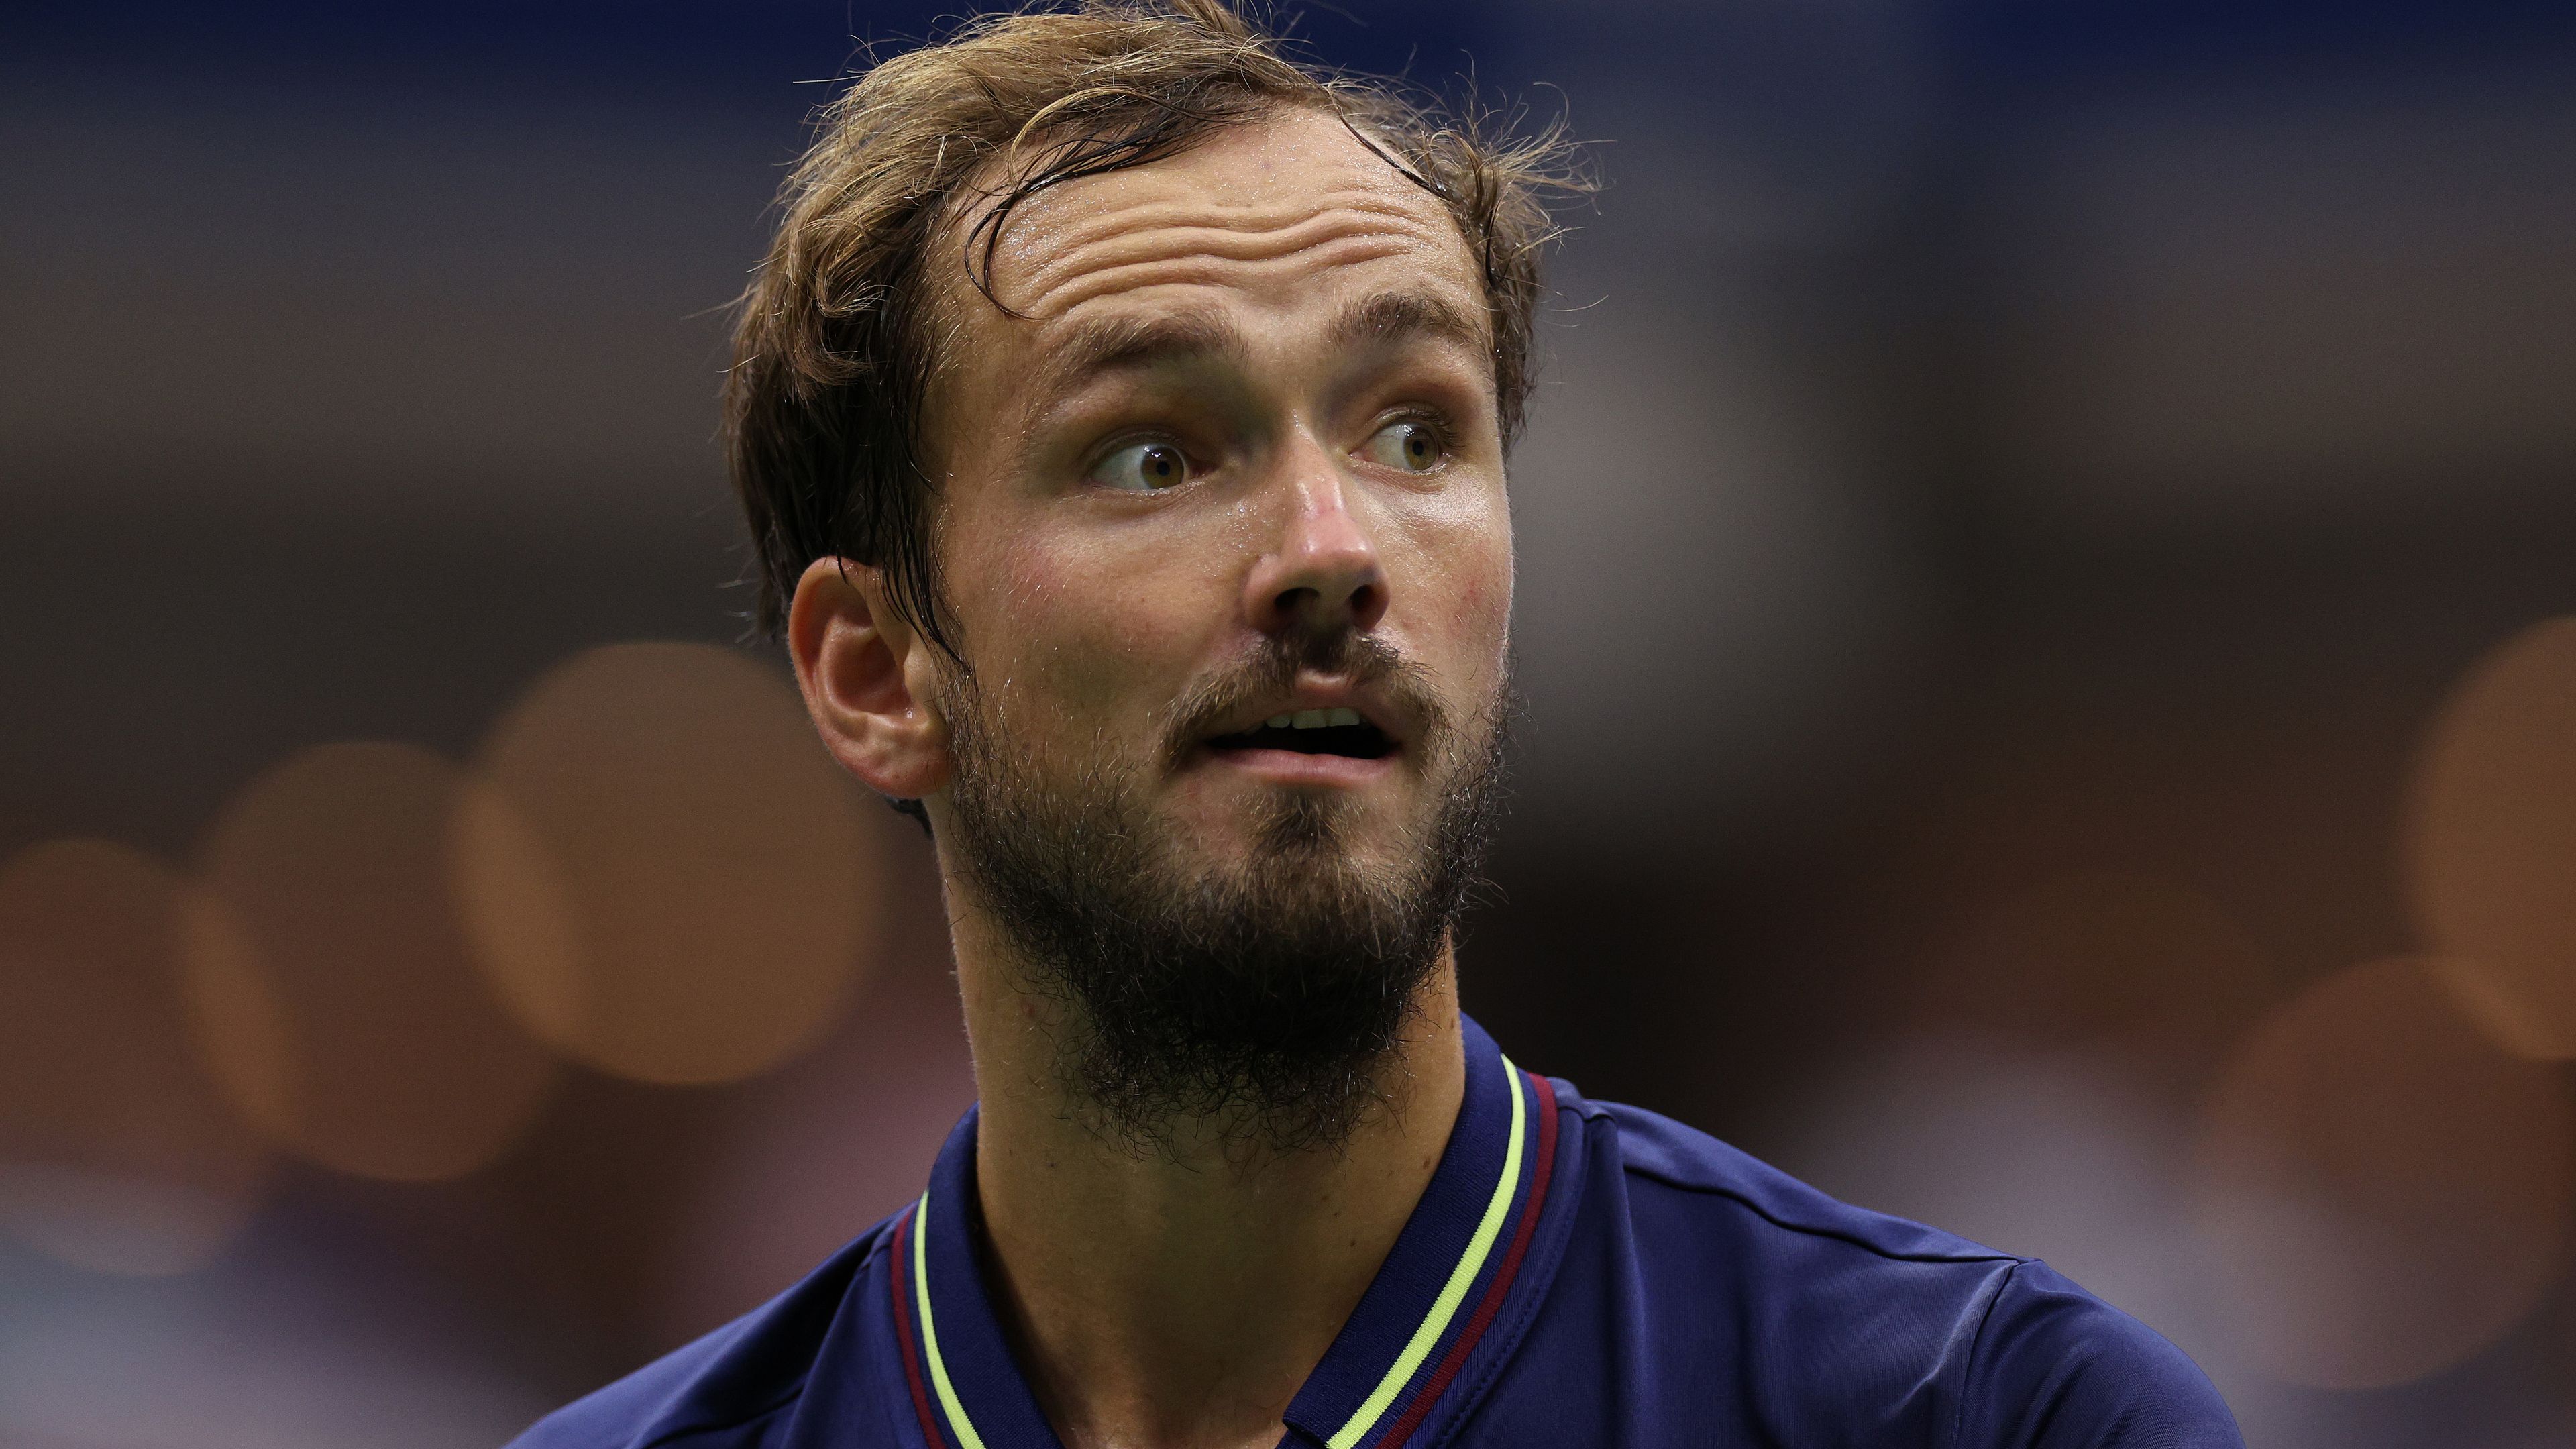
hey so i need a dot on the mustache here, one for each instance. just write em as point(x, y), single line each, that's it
point(1272, 669)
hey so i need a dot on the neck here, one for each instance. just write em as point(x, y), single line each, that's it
point(1180, 1298)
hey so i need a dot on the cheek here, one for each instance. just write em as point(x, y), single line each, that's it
point(1089, 628)
point(1464, 575)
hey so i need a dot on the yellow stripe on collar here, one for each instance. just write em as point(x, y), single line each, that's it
point(1454, 1292)
point(958, 1423)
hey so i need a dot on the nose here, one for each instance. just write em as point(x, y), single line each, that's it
point(1323, 576)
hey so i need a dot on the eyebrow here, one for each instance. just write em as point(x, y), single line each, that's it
point(1130, 344)
point(1397, 316)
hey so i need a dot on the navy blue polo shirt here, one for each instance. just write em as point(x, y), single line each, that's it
point(1577, 1273)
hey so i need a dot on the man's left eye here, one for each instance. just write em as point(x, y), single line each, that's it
point(1413, 447)
point(1142, 467)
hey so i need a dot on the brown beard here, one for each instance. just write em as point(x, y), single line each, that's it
point(1252, 1005)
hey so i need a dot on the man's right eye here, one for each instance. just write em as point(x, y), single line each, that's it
point(1142, 467)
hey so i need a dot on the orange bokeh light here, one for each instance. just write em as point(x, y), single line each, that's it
point(2387, 1189)
point(333, 990)
point(670, 880)
point(116, 1152)
point(2491, 844)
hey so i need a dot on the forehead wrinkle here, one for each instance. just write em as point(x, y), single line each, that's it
point(1147, 214)
point(1186, 236)
point(1201, 269)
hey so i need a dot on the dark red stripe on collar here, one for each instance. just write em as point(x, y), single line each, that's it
point(899, 1274)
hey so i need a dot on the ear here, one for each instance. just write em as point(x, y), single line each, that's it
point(866, 675)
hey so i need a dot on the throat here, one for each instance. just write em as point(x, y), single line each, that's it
point(1163, 1300)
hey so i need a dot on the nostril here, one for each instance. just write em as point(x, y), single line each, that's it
point(1291, 602)
point(1368, 601)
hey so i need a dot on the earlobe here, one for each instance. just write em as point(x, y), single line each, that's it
point(855, 664)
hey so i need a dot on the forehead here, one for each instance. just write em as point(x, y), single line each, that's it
point(1290, 211)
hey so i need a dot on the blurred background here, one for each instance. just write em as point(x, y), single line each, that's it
point(2046, 621)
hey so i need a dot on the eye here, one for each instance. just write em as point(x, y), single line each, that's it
point(1142, 468)
point(1413, 447)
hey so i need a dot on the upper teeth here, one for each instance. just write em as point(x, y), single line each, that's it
point(1314, 719)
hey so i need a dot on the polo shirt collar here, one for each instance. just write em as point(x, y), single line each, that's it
point(1440, 1287)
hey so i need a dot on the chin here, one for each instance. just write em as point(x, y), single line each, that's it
point(1317, 830)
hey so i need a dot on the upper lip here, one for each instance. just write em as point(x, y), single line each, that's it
point(1373, 708)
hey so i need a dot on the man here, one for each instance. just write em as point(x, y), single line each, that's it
point(1121, 416)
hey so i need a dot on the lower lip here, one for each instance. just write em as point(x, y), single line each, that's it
point(1289, 767)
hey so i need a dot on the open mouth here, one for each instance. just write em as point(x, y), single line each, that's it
point(1313, 732)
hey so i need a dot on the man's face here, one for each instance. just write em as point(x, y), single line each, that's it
point(1237, 458)
point(1224, 532)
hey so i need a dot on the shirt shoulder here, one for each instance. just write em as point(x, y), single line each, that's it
point(1852, 1326)
point(1663, 1157)
point(2055, 1367)
point(728, 1388)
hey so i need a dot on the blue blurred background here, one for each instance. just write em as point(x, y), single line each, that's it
point(2039, 536)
